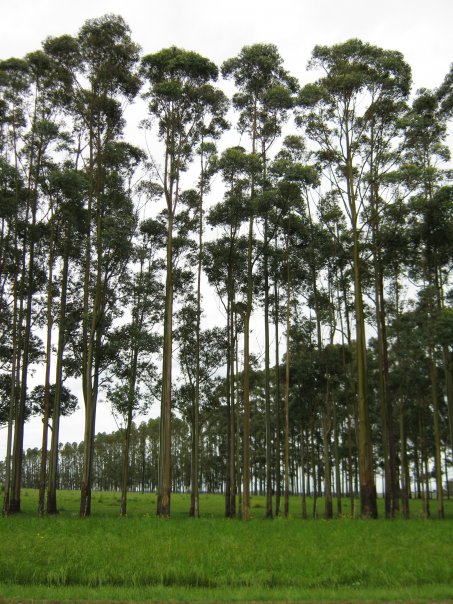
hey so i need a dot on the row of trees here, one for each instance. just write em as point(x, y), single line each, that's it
point(340, 234)
point(306, 470)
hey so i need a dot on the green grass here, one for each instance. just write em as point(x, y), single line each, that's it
point(142, 557)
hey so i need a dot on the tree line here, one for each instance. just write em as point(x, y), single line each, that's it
point(306, 470)
point(331, 241)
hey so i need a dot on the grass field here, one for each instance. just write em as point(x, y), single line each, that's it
point(142, 557)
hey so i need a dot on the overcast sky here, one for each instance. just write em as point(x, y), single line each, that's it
point(421, 30)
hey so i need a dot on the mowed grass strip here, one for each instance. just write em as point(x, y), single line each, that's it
point(144, 557)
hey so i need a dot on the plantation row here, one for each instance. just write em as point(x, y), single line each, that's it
point(329, 253)
point(306, 472)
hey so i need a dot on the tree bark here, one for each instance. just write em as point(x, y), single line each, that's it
point(246, 381)
point(267, 387)
point(45, 420)
point(163, 501)
point(277, 404)
point(53, 457)
point(337, 461)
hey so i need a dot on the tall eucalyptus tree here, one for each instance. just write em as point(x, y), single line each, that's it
point(336, 113)
point(101, 63)
point(425, 151)
point(292, 180)
point(382, 126)
point(14, 90)
point(225, 271)
point(68, 188)
point(181, 97)
point(31, 153)
point(266, 93)
point(207, 154)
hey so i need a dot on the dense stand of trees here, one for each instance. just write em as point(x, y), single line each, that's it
point(329, 252)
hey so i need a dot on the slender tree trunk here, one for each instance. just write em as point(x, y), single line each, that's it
point(125, 468)
point(14, 505)
point(34, 169)
point(417, 462)
point(278, 477)
point(87, 337)
point(424, 467)
point(447, 478)
point(351, 468)
point(163, 500)
point(405, 478)
point(53, 457)
point(404, 467)
point(328, 513)
point(438, 459)
point(13, 397)
point(337, 461)
point(45, 421)
point(287, 377)
point(238, 443)
point(88, 453)
point(388, 441)
point(127, 440)
point(448, 371)
point(193, 492)
point(314, 473)
point(302, 480)
point(388, 444)
point(228, 397)
point(18, 294)
point(368, 504)
point(194, 510)
point(232, 420)
point(246, 380)
point(267, 387)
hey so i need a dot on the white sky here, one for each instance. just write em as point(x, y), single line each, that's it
point(218, 29)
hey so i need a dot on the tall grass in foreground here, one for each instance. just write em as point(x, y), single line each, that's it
point(144, 557)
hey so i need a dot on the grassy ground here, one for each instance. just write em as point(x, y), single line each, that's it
point(211, 559)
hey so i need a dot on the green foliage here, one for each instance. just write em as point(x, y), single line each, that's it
point(266, 91)
point(36, 400)
point(445, 94)
point(181, 96)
